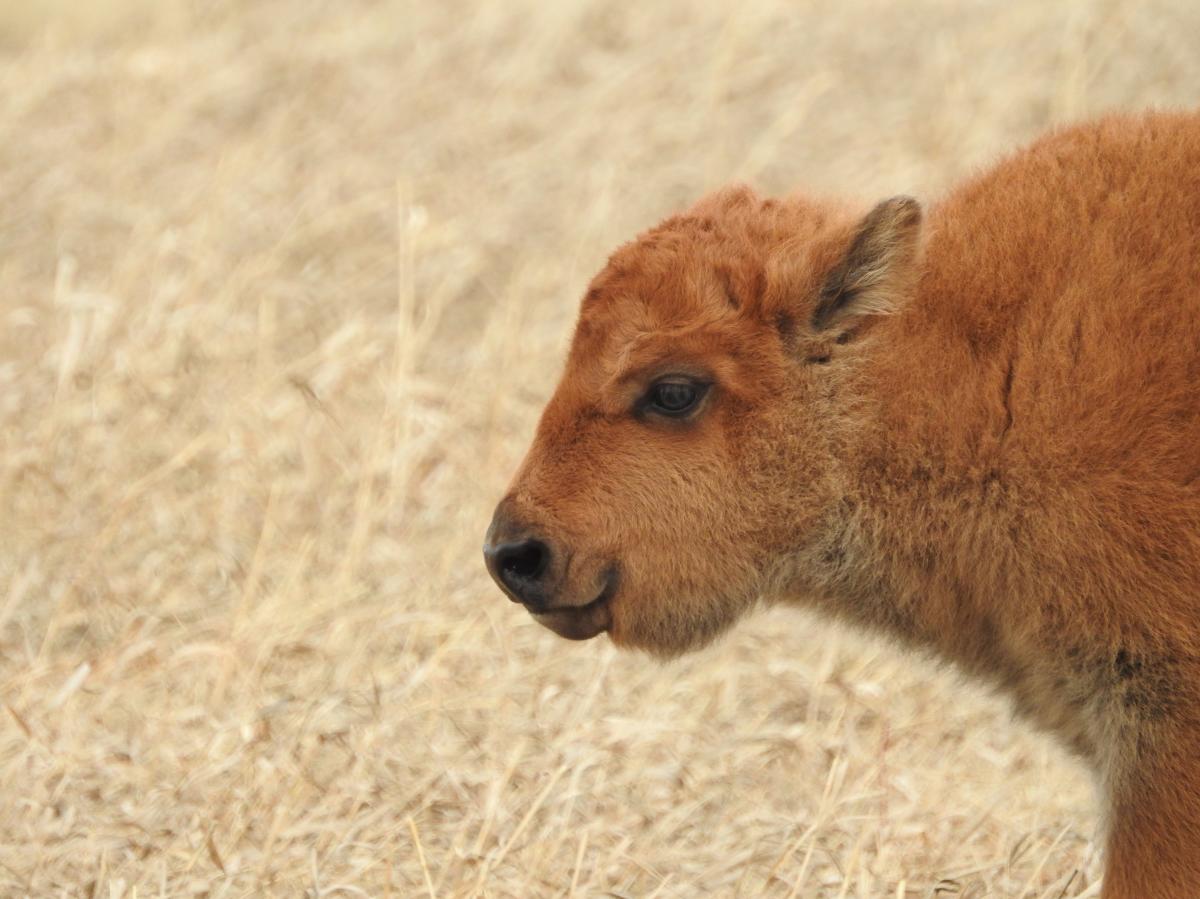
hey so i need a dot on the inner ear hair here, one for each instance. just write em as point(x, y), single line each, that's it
point(878, 267)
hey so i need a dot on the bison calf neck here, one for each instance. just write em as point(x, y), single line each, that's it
point(974, 427)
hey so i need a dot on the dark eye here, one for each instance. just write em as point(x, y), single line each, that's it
point(674, 398)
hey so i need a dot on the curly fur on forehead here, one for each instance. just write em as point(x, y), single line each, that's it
point(724, 254)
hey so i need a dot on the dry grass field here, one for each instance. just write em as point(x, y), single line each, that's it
point(283, 286)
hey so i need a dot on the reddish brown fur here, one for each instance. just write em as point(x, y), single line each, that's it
point(1005, 470)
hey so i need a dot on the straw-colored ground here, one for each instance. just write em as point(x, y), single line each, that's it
point(282, 287)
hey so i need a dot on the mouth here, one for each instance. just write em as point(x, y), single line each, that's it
point(582, 622)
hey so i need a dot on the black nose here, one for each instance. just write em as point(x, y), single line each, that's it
point(518, 566)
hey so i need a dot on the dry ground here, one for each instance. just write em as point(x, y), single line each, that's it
point(282, 287)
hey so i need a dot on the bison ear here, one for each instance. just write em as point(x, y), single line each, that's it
point(878, 268)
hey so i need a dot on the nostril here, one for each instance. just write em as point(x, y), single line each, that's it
point(522, 568)
point(525, 561)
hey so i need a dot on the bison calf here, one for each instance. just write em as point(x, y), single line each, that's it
point(974, 427)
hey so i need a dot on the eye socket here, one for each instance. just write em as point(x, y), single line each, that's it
point(674, 398)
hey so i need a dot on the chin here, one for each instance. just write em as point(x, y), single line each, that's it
point(580, 622)
point(568, 625)
point(671, 635)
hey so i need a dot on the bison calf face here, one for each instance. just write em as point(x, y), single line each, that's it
point(688, 453)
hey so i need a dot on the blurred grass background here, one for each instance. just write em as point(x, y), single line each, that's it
point(283, 286)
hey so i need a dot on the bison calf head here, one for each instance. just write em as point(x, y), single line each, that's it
point(694, 447)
